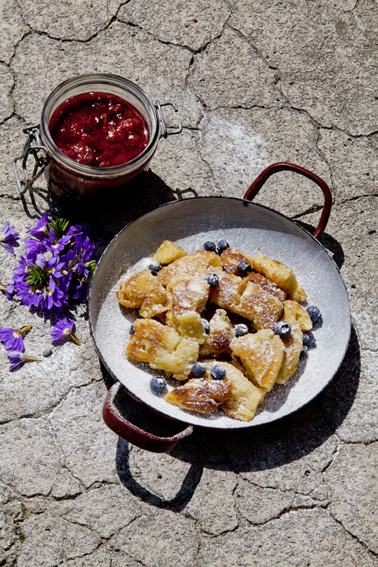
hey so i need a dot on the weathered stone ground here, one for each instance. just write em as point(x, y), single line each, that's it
point(256, 82)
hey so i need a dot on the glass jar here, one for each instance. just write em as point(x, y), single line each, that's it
point(74, 180)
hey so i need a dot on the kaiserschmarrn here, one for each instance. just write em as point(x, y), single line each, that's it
point(187, 317)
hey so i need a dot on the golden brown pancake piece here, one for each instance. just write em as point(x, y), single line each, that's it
point(245, 396)
point(187, 294)
point(267, 285)
point(261, 355)
point(220, 335)
point(168, 252)
point(163, 348)
point(281, 275)
point(293, 344)
point(204, 396)
point(260, 307)
point(156, 302)
point(133, 290)
point(196, 265)
point(231, 258)
point(228, 292)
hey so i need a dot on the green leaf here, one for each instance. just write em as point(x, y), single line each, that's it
point(37, 278)
point(60, 227)
point(91, 266)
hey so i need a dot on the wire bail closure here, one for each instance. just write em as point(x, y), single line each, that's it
point(164, 130)
point(33, 146)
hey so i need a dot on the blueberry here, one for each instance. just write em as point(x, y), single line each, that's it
point(244, 268)
point(158, 385)
point(241, 330)
point(218, 372)
point(282, 329)
point(132, 330)
point(222, 246)
point(212, 280)
point(209, 246)
point(304, 352)
point(314, 313)
point(206, 325)
point(198, 370)
point(155, 268)
point(309, 340)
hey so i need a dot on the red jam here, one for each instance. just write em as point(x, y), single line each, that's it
point(99, 129)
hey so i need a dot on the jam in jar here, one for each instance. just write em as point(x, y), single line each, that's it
point(99, 132)
point(99, 129)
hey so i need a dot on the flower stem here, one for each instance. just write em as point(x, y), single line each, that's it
point(25, 329)
point(27, 357)
point(74, 338)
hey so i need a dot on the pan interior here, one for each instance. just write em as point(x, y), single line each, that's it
point(250, 228)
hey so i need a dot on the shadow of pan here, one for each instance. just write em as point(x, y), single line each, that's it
point(254, 449)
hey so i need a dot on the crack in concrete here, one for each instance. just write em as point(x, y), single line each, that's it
point(150, 34)
point(357, 197)
point(46, 412)
point(71, 40)
point(89, 554)
point(286, 97)
point(356, 538)
point(174, 44)
point(138, 561)
point(366, 443)
point(284, 512)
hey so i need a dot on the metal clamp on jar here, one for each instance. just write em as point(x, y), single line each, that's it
point(69, 178)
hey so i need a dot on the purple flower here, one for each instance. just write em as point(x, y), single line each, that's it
point(35, 246)
point(40, 230)
point(12, 338)
point(18, 358)
point(9, 234)
point(81, 292)
point(56, 266)
point(63, 329)
point(40, 283)
point(10, 291)
point(50, 235)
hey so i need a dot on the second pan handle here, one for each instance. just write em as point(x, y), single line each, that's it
point(134, 434)
point(284, 166)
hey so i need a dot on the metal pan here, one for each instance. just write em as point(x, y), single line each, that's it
point(250, 228)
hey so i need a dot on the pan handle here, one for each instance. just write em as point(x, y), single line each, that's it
point(274, 168)
point(134, 434)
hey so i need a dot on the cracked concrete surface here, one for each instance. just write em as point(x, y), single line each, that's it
point(255, 83)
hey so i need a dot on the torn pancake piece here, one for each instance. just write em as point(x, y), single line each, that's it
point(133, 291)
point(260, 307)
point(220, 336)
point(228, 292)
point(293, 344)
point(281, 275)
point(156, 302)
point(267, 285)
point(200, 394)
point(231, 258)
point(245, 396)
point(261, 355)
point(168, 252)
point(163, 348)
point(187, 293)
point(191, 327)
point(197, 265)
